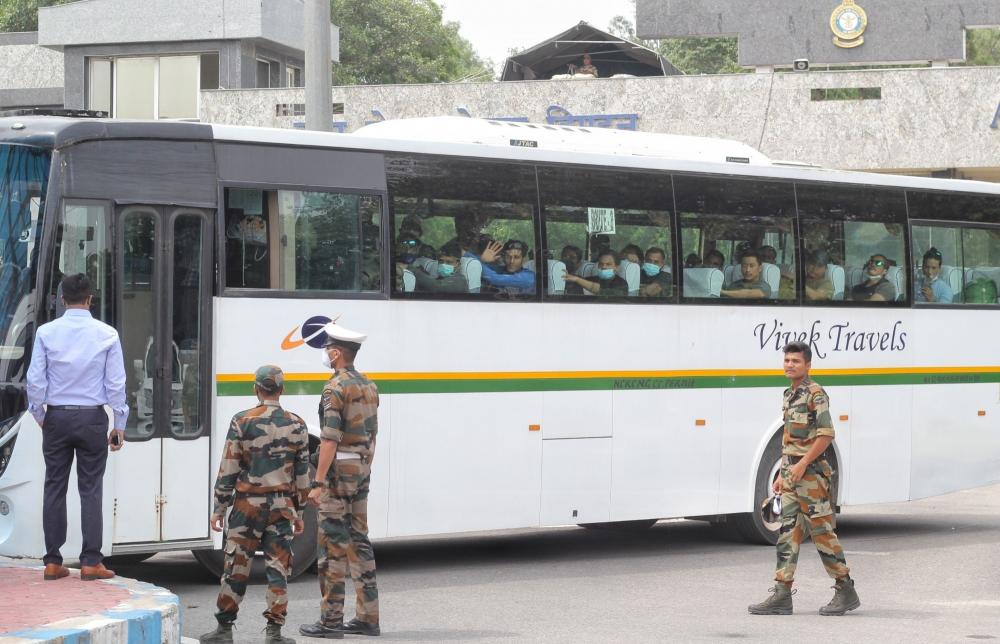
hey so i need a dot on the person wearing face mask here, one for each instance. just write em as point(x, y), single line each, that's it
point(932, 288)
point(875, 287)
point(606, 282)
point(655, 280)
point(446, 276)
point(349, 428)
point(264, 478)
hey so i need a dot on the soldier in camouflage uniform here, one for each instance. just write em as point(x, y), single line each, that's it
point(804, 484)
point(349, 415)
point(264, 476)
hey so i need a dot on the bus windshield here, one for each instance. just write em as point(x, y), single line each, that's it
point(24, 173)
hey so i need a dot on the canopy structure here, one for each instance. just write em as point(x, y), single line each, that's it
point(562, 54)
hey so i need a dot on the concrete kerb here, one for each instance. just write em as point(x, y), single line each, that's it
point(148, 614)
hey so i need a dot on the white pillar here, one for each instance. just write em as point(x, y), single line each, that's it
point(318, 78)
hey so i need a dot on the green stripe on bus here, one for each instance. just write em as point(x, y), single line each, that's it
point(431, 386)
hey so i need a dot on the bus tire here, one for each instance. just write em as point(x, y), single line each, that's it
point(750, 526)
point(303, 552)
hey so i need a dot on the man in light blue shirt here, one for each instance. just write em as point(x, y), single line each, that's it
point(76, 369)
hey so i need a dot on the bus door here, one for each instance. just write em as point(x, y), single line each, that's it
point(163, 257)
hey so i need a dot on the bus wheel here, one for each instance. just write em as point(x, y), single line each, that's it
point(303, 552)
point(751, 526)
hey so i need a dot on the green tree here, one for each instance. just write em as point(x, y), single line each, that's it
point(983, 47)
point(22, 15)
point(401, 41)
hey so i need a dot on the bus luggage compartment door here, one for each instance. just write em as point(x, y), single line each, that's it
point(576, 481)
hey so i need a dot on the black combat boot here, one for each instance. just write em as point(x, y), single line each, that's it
point(779, 603)
point(358, 627)
point(845, 598)
point(272, 635)
point(319, 629)
point(223, 634)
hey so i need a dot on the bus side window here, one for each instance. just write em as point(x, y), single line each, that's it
point(588, 212)
point(952, 264)
point(743, 229)
point(857, 232)
point(294, 240)
point(462, 228)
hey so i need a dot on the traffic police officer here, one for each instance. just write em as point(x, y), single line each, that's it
point(804, 486)
point(349, 415)
point(265, 466)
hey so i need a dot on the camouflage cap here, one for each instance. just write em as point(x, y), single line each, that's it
point(270, 378)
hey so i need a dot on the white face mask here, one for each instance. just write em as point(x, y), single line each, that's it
point(326, 359)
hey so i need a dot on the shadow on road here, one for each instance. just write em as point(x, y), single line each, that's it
point(526, 547)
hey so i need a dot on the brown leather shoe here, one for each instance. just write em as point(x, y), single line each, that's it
point(91, 573)
point(55, 571)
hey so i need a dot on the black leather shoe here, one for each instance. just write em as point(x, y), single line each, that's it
point(318, 629)
point(357, 627)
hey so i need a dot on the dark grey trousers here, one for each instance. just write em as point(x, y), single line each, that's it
point(83, 433)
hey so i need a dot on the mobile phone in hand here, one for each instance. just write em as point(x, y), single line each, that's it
point(116, 439)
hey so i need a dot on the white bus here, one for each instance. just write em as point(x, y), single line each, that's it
point(519, 400)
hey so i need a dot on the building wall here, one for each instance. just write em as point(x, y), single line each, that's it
point(29, 74)
point(926, 119)
point(230, 72)
point(776, 32)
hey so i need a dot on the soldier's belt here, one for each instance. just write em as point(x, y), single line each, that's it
point(349, 456)
point(790, 460)
point(240, 493)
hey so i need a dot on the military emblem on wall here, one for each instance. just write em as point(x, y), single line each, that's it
point(848, 23)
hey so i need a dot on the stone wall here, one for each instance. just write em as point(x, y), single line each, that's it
point(29, 74)
point(926, 118)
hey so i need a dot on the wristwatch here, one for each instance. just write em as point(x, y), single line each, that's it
point(316, 484)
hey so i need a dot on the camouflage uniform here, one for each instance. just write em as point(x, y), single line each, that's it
point(265, 465)
point(349, 415)
point(806, 504)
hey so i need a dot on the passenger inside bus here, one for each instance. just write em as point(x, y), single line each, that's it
point(443, 276)
point(714, 259)
point(786, 283)
point(632, 253)
point(692, 261)
point(511, 276)
point(407, 248)
point(752, 286)
point(655, 279)
point(605, 282)
point(572, 256)
point(931, 288)
point(818, 286)
point(875, 287)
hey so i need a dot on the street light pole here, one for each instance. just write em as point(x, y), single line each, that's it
point(319, 90)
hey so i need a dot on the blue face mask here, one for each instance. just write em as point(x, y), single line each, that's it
point(408, 259)
point(606, 273)
point(651, 269)
point(446, 270)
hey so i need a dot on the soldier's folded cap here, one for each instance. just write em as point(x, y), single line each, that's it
point(338, 335)
point(270, 378)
